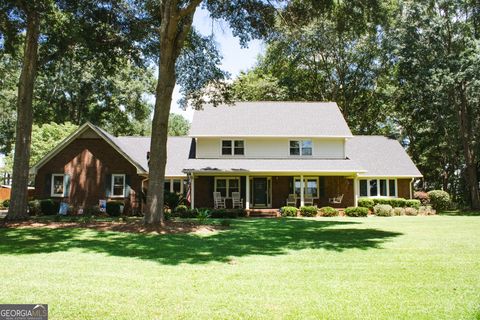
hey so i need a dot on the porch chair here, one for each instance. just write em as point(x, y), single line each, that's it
point(292, 200)
point(336, 200)
point(218, 201)
point(308, 200)
point(237, 202)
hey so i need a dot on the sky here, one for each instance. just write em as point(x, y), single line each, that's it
point(235, 58)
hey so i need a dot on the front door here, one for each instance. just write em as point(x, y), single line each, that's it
point(260, 189)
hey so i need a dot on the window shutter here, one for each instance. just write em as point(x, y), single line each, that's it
point(108, 185)
point(66, 185)
point(48, 184)
point(127, 186)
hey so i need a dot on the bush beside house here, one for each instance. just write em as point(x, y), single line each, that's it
point(356, 211)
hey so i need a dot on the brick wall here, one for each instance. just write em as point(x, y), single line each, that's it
point(88, 162)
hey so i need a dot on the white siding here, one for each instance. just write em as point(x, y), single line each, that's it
point(327, 148)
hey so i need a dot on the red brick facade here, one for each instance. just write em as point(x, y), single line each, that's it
point(88, 162)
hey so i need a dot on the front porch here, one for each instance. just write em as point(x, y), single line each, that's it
point(271, 191)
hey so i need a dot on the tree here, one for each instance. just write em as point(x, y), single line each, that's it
point(173, 18)
point(102, 27)
point(435, 51)
point(178, 125)
point(258, 86)
point(44, 138)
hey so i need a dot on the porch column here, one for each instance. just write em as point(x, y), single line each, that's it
point(355, 191)
point(247, 192)
point(302, 198)
point(192, 192)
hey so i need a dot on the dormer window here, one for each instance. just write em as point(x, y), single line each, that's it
point(233, 147)
point(300, 147)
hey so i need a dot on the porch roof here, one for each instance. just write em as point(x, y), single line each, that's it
point(327, 166)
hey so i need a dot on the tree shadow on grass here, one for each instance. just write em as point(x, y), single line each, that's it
point(246, 237)
point(467, 213)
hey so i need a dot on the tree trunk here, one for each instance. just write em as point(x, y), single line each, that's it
point(158, 144)
point(466, 135)
point(19, 197)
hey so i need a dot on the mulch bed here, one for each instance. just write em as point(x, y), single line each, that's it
point(170, 227)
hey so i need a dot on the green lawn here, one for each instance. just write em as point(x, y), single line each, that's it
point(336, 268)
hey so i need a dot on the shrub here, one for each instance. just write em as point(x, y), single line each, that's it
point(167, 214)
point(383, 210)
point(426, 211)
point(329, 212)
point(92, 211)
point(181, 210)
point(188, 214)
point(356, 211)
point(225, 223)
point(288, 211)
point(366, 202)
point(439, 199)
point(394, 202)
point(34, 208)
point(49, 206)
point(202, 216)
point(172, 200)
point(411, 211)
point(6, 203)
point(308, 211)
point(114, 208)
point(414, 203)
point(422, 196)
point(398, 211)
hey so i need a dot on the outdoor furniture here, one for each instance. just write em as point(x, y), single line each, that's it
point(237, 202)
point(292, 200)
point(308, 200)
point(218, 201)
point(336, 200)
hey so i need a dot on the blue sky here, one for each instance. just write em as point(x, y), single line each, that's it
point(235, 58)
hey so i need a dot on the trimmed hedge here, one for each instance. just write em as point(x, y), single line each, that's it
point(383, 210)
point(356, 211)
point(329, 212)
point(426, 211)
point(411, 211)
point(113, 208)
point(181, 209)
point(439, 199)
point(366, 202)
point(288, 211)
point(34, 208)
point(398, 211)
point(308, 211)
point(226, 214)
point(422, 196)
point(49, 206)
point(413, 203)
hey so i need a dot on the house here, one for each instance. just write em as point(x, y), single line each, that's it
point(266, 151)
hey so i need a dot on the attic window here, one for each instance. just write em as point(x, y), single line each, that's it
point(301, 147)
point(233, 147)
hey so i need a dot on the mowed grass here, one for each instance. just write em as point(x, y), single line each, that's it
point(335, 268)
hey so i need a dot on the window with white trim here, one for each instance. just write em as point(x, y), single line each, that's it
point(227, 185)
point(301, 147)
point(233, 147)
point(310, 186)
point(57, 185)
point(378, 187)
point(118, 185)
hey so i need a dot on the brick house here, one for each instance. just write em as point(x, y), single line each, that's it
point(266, 151)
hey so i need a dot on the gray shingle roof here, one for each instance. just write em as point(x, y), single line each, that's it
point(381, 156)
point(279, 119)
point(178, 149)
point(273, 165)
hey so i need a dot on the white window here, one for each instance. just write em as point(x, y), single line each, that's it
point(226, 186)
point(58, 185)
point(378, 188)
point(310, 186)
point(233, 147)
point(118, 185)
point(301, 147)
point(177, 186)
